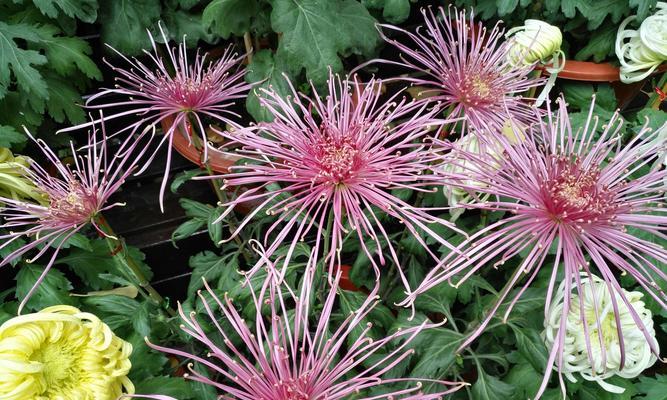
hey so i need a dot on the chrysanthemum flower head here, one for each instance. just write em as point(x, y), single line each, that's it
point(335, 161)
point(297, 352)
point(74, 197)
point(641, 51)
point(602, 336)
point(466, 69)
point(535, 41)
point(197, 89)
point(62, 353)
point(586, 197)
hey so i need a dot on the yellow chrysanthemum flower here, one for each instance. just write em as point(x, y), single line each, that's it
point(61, 353)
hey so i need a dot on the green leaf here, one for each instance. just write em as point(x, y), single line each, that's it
point(269, 70)
point(579, 97)
point(113, 304)
point(316, 32)
point(85, 10)
point(77, 240)
point(64, 100)
point(125, 23)
point(146, 362)
point(184, 177)
point(20, 61)
point(184, 4)
point(643, 7)
point(592, 391)
point(506, 6)
point(181, 24)
point(437, 352)
point(187, 229)
point(396, 11)
point(67, 54)
point(531, 346)
point(489, 387)
point(227, 17)
point(13, 112)
point(380, 316)
point(166, 385)
point(201, 390)
point(141, 321)
point(437, 299)
point(53, 290)
point(654, 388)
point(595, 11)
point(600, 45)
point(525, 379)
point(215, 228)
point(90, 264)
point(212, 268)
point(195, 209)
point(655, 118)
point(8, 310)
point(9, 136)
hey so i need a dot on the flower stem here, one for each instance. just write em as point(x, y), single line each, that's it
point(531, 92)
point(247, 42)
point(655, 100)
point(119, 251)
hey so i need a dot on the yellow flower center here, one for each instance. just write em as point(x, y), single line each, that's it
point(59, 362)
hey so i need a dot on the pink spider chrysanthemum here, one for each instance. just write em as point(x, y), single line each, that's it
point(296, 352)
point(334, 162)
point(76, 196)
point(180, 91)
point(466, 69)
point(581, 197)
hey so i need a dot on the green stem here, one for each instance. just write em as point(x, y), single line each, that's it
point(119, 251)
point(217, 185)
point(654, 100)
point(531, 92)
point(483, 217)
point(327, 234)
point(204, 163)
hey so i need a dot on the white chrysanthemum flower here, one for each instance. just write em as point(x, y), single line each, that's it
point(606, 353)
point(453, 163)
point(457, 197)
point(645, 48)
point(537, 41)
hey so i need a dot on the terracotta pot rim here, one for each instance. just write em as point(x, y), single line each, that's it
point(218, 160)
point(593, 72)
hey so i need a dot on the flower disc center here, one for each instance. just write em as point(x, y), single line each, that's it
point(59, 363)
point(476, 89)
point(186, 92)
point(337, 158)
point(577, 194)
point(73, 206)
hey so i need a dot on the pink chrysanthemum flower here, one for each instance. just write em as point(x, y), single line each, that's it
point(75, 196)
point(180, 91)
point(575, 195)
point(334, 162)
point(466, 70)
point(289, 356)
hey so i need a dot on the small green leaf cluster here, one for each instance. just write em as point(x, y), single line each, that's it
point(44, 67)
